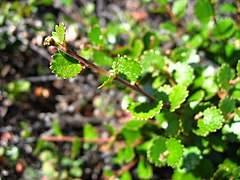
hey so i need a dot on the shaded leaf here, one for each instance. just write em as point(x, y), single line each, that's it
point(144, 111)
point(75, 147)
point(224, 75)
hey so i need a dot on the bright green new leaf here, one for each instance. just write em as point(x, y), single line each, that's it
point(212, 120)
point(65, 66)
point(144, 170)
point(59, 34)
point(89, 132)
point(177, 96)
point(144, 111)
point(224, 29)
point(203, 10)
point(56, 128)
point(224, 75)
point(165, 151)
point(130, 67)
point(75, 147)
point(179, 8)
point(95, 36)
point(183, 74)
point(131, 136)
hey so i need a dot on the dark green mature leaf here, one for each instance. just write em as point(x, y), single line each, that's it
point(225, 170)
point(164, 151)
point(203, 10)
point(65, 66)
point(191, 158)
point(212, 120)
point(144, 111)
point(59, 34)
point(224, 76)
point(130, 67)
point(227, 105)
point(95, 36)
point(224, 29)
point(177, 96)
point(168, 121)
point(183, 74)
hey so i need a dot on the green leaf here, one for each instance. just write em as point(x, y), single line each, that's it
point(144, 111)
point(176, 151)
point(131, 135)
point(102, 58)
point(130, 67)
point(152, 60)
point(177, 96)
point(138, 47)
point(203, 10)
point(224, 29)
point(95, 36)
point(65, 66)
point(59, 34)
point(134, 124)
point(183, 74)
point(191, 158)
point(227, 106)
point(196, 98)
point(238, 68)
point(144, 170)
point(164, 151)
point(231, 130)
point(168, 121)
point(179, 8)
point(75, 147)
point(225, 170)
point(228, 8)
point(125, 155)
point(224, 75)
point(56, 129)
point(89, 132)
point(212, 120)
point(126, 175)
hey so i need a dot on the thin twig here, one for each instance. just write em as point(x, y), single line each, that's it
point(105, 72)
point(70, 139)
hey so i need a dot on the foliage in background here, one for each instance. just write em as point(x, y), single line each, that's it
point(190, 65)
